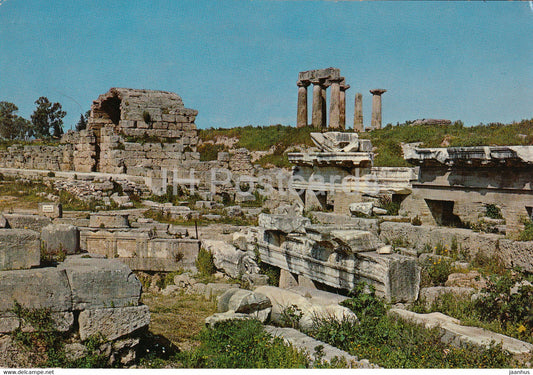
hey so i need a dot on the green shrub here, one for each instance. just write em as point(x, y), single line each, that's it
point(527, 233)
point(51, 174)
point(242, 344)
point(393, 343)
point(386, 203)
point(493, 211)
point(204, 262)
point(416, 221)
point(210, 151)
point(290, 316)
point(435, 271)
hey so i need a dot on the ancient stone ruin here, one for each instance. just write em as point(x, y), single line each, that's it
point(85, 295)
point(322, 79)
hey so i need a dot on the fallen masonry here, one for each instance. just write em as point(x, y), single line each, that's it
point(83, 294)
point(335, 257)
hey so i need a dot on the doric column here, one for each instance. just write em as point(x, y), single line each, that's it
point(335, 104)
point(301, 117)
point(376, 108)
point(343, 88)
point(316, 117)
point(358, 114)
point(324, 84)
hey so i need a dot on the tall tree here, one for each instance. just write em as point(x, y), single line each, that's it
point(82, 124)
point(7, 120)
point(47, 117)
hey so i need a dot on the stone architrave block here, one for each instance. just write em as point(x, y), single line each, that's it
point(101, 283)
point(19, 249)
point(284, 223)
point(113, 323)
point(61, 237)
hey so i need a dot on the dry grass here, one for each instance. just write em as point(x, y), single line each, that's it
point(179, 317)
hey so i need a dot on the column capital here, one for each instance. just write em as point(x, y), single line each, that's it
point(303, 83)
point(377, 91)
point(344, 87)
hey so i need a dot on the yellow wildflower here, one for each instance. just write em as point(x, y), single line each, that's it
point(521, 328)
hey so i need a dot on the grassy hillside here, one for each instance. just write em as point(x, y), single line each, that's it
point(387, 140)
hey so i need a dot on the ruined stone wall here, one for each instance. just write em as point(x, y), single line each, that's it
point(53, 158)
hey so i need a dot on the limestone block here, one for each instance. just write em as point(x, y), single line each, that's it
point(418, 236)
point(456, 334)
point(3, 222)
point(355, 241)
point(112, 220)
point(284, 223)
point(282, 299)
point(240, 241)
point(113, 323)
point(287, 280)
point(23, 221)
point(362, 208)
point(19, 249)
point(228, 258)
point(212, 320)
point(516, 254)
point(51, 209)
point(36, 288)
point(213, 289)
point(346, 221)
point(472, 279)
point(101, 283)
point(61, 237)
point(255, 279)
point(242, 301)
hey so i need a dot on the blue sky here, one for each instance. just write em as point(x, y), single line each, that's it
point(237, 62)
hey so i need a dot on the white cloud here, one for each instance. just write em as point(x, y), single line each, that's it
point(2, 1)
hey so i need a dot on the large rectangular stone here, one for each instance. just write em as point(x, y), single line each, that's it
point(113, 323)
point(516, 254)
point(37, 288)
point(101, 283)
point(23, 221)
point(19, 249)
point(418, 237)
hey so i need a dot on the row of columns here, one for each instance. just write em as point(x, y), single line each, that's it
point(337, 107)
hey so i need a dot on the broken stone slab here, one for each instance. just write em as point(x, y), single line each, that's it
point(101, 283)
point(113, 323)
point(336, 141)
point(362, 208)
point(431, 294)
point(456, 334)
point(61, 237)
point(23, 221)
point(516, 254)
point(419, 236)
point(287, 280)
point(472, 279)
point(395, 277)
point(242, 301)
point(282, 299)
point(213, 320)
point(19, 249)
point(240, 241)
point(228, 258)
point(308, 344)
point(355, 241)
point(319, 297)
point(284, 223)
point(255, 279)
point(344, 221)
